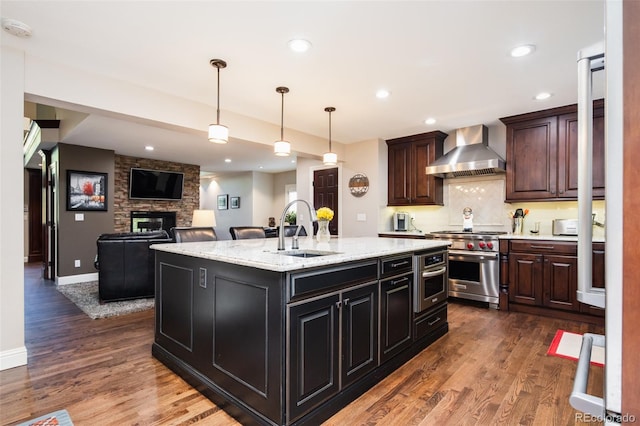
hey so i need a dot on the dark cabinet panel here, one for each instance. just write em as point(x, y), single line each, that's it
point(542, 154)
point(408, 184)
point(560, 282)
point(396, 315)
point(568, 154)
point(531, 159)
point(314, 355)
point(359, 333)
point(525, 278)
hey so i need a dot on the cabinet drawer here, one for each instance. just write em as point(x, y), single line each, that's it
point(397, 265)
point(430, 322)
point(318, 282)
point(545, 246)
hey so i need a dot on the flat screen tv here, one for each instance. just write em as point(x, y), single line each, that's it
point(155, 184)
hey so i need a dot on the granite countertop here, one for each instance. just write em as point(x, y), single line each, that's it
point(263, 253)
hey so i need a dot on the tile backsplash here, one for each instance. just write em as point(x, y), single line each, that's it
point(485, 195)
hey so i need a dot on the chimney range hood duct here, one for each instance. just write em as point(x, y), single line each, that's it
point(471, 156)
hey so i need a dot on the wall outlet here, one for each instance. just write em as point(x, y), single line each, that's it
point(413, 216)
point(361, 217)
point(79, 217)
point(76, 263)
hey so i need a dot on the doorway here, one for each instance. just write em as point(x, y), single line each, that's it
point(325, 194)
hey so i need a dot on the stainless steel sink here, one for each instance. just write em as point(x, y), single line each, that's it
point(306, 253)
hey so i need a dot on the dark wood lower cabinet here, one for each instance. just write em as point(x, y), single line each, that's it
point(544, 274)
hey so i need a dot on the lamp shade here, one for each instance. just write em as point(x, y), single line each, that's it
point(330, 158)
point(203, 218)
point(282, 148)
point(218, 133)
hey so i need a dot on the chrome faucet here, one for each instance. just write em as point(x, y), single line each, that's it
point(312, 216)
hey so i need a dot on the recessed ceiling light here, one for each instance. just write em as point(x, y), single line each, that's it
point(148, 148)
point(382, 94)
point(227, 160)
point(429, 121)
point(542, 96)
point(524, 50)
point(299, 45)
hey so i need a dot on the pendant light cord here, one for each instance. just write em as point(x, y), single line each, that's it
point(282, 118)
point(329, 131)
point(218, 105)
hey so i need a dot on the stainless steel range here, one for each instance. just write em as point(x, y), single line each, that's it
point(473, 264)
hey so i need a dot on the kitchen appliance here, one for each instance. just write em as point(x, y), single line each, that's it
point(590, 60)
point(565, 227)
point(470, 157)
point(431, 280)
point(473, 264)
point(401, 221)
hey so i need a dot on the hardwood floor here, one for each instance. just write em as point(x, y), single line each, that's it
point(491, 368)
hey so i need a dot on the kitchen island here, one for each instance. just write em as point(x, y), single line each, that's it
point(288, 337)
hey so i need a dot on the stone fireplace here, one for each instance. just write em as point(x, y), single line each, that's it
point(144, 221)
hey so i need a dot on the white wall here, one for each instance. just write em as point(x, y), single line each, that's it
point(12, 348)
point(262, 195)
point(263, 198)
point(364, 158)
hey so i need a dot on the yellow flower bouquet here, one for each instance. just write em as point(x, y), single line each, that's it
point(324, 213)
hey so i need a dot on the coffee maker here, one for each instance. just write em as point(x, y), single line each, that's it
point(401, 221)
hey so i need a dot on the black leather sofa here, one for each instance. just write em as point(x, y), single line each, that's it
point(126, 264)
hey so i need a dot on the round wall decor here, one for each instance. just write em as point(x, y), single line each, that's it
point(358, 185)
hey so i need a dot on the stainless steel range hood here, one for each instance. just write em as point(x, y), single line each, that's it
point(471, 156)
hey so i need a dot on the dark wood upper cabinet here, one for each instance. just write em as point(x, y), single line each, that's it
point(542, 154)
point(408, 157)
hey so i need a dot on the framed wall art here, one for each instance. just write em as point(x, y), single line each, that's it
point(86, 191)
point(223, 202)
point(235, 202)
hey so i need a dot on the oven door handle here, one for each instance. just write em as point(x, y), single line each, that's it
point(434, 273)
point(470, 256)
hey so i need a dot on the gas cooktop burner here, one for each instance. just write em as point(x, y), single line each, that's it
point(468, 232)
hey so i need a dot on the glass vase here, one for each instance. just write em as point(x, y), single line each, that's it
point(323, 235)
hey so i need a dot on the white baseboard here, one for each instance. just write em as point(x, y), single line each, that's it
point(73, 279)
point(13, 358)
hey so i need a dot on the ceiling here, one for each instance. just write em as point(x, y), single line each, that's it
point(443, 59)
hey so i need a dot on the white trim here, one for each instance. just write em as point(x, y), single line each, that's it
point(73, 279)
point(13, 358)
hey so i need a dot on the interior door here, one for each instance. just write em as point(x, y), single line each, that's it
point(35, 248)
point(325, 194)
point(50, 224)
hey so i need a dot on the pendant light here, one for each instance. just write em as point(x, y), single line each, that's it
point(330, 158)
point(217, 132)
point(281, 147)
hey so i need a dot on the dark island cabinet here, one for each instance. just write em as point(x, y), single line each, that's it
point(408, 157)
point(396, 315)
point(221, 324)
point(333, 342)
point(542, 154)
point(286, 348)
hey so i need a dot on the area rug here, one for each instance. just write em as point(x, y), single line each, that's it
point(58, 418)
point(567, 345)
point(85, 296)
